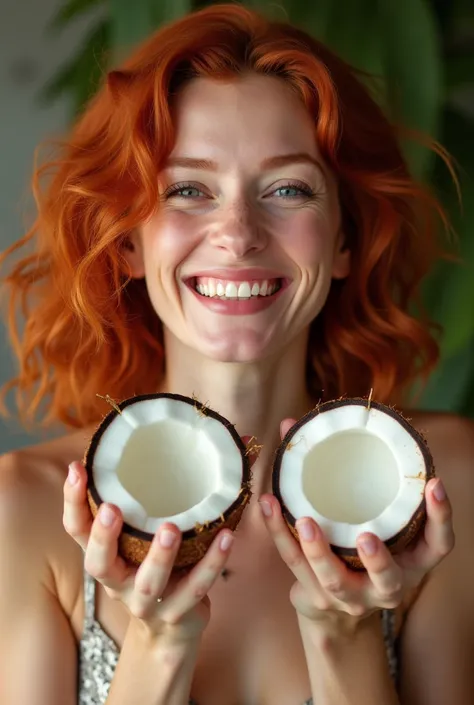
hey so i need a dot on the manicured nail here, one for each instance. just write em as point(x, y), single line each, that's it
point(106, 516)
point(226, 542)
point(439, 491)
point(306, 530)
point(369, 545)
point(266, 507)
point(73, 475)
point(167, 538)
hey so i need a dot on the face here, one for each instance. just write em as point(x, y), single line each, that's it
point(239, 257)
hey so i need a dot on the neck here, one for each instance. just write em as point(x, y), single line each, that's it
point(254, 397)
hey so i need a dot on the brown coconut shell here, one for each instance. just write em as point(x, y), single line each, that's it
point(415, 524)
point(134, 544)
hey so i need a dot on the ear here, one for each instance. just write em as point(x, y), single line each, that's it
point(132, 250)
point(341, 265)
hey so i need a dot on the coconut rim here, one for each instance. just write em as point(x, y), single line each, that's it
point(420, 511)
point(114, 412)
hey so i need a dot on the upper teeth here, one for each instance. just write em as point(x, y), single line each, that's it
point(235, 290)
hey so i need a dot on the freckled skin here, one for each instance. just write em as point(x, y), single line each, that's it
point(241, 215)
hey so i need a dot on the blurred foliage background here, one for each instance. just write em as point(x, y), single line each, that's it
point(423, 53)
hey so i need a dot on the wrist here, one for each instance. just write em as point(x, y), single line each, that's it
point(172, 638)
point(337, 626)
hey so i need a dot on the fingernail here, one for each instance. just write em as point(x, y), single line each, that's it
point(106, 516)
point(167, 538)
point(72, 476)
point(306, 530)
point(369, 545)
point(439, 491)
point(226, 542)
point(266, 508)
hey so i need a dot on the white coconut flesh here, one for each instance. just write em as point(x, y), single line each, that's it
point(162, 460)
point(353, 469)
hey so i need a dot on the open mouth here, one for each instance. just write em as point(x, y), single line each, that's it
point(208, 287)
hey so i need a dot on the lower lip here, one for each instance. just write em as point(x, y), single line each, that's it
point(235, 307)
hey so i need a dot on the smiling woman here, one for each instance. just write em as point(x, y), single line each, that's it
point(230, 220)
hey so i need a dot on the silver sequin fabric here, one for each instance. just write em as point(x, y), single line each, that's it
point(98, 654)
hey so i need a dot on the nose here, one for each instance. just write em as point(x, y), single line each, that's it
point(238, 232)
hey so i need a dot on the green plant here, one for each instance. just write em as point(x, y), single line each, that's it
point(422, 52)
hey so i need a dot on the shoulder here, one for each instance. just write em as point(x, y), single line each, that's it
point(439, 626)
point(31, 479)
point(31, 507)
point(451, 441)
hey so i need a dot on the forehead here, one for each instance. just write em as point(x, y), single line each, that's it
point(251, 117)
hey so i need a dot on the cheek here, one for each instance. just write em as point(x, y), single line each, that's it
point(168, 240)
point(309, 239)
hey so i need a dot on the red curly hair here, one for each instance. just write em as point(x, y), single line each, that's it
point(90, 328)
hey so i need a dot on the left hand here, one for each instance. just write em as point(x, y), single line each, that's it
point(328, 591)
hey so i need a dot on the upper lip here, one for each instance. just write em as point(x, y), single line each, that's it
point(238, 275)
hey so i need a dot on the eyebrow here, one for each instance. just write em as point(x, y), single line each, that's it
point(269, 163)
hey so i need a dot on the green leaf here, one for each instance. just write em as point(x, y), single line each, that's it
point(450, 291)
point(170, 10)
point(449, 386)
point(312, 17)
point(460, 70)
point(71, 10)
point(131, 26)
point(83, 73)
point(414, 71)
point(354, 33)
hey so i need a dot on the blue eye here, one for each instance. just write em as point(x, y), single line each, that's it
point(293, 191)
point(183, 191)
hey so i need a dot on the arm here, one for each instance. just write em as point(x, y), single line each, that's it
point(153, 671)
point(168, 612)
point(343, 642)
point(348, 669)
point(37, 648)
point(437, 646)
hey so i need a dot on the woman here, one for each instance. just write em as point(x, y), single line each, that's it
point(228, 149)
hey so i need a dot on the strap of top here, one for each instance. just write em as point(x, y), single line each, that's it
point(89, 598)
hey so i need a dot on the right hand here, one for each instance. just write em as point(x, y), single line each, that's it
point(185, 609)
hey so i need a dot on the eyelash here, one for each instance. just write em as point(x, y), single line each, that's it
point(298, 185)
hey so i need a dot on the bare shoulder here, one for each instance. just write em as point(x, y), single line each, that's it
point(31, 506)
point(31, 478)
point(439, 628)
point(41, 581)
point(451, 441)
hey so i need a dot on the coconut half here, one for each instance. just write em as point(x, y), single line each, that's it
point(168, 458)
point(354, 465)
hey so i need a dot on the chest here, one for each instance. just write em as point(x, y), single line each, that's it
point(251, 652)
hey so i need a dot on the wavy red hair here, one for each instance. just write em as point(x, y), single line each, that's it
point(90, 328)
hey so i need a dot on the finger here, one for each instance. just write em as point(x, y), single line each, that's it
point(77, 516)
point(194, 587)
point(438, 538)
point(101, 559)
point(287, 546)
point(335, 579)
point(385, 575)
point(153, 575)
point(285, 426)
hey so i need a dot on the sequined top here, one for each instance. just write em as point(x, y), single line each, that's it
point(99, 654)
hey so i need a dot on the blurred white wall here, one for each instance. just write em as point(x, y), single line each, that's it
point(28, 58)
